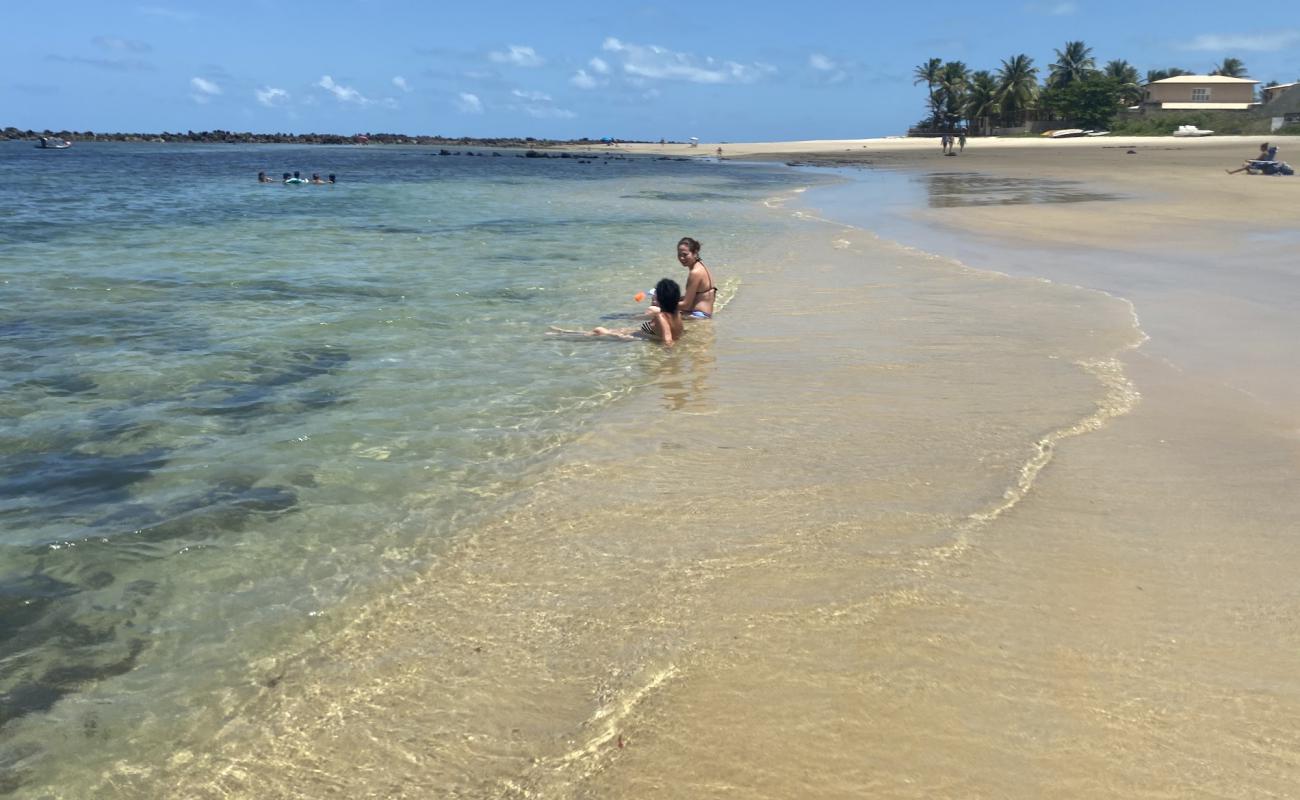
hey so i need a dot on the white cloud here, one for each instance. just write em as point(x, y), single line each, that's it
point(272, 97)
point(207, 87)
point(830, 71)
point(344, 94)
point(204, 90)
point(584, 81)
point(537, 97)
point(518, 55)
point(547, 112)
point(1060, 9)
point(469, 103)
point(652, 61)
point(599, 66)
point(401, 83)
point(120, 45)
point(1254, 42)
point(168, 13)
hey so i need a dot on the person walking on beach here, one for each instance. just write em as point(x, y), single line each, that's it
point(961, 142)
point(700, 292)
point(944, 144)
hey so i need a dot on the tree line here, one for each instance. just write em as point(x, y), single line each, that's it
point(1074, 89)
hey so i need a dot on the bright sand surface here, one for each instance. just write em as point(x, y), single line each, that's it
point(1130, 629)
point(893, 525)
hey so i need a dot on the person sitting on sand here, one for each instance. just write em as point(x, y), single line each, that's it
point(664, 325)
point(701, 291)
point(1266, 155)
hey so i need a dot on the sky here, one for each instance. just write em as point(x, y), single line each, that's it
point(721, 71)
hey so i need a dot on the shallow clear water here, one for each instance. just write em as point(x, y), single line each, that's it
point(229, 406)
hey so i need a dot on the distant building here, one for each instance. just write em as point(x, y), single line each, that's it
point(1200, 93)
point(1281, 105)
point(1270, 93)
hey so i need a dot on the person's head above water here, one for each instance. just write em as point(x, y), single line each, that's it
point(331, 177)
point(667, 295)
point(295, 173)
point(688, 251)
point(286, 176)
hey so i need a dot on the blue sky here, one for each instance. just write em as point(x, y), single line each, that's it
point(732, 71)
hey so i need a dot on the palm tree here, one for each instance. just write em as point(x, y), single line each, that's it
point(1017, 84)
point(982, 100)
point(1126, 79)
point(929, 73)
point(1072, 64)
point(1154, 75)
point(952, 91)
point(1230, 67)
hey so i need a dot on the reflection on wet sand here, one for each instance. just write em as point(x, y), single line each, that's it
point(684, 380)
point(956, 189)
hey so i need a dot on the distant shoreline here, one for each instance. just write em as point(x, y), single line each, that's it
point(233, 137)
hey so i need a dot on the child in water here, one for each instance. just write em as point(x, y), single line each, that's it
point(665, 324)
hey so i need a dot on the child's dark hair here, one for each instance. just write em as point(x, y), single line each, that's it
point(691, 244)
point(667, 295)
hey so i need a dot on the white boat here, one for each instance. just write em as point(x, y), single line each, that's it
point(46, 143)
point(1191, 130)
point(1099, 133)
point(1066, 133)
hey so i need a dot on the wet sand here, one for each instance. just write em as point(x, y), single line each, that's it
point(894, 526)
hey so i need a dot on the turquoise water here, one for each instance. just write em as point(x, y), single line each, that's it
point(229, 407)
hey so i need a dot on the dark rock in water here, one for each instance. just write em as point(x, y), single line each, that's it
point(101, 579)
point(25, 599)
point(42, 693)
point(565, 155)
point(302, 365)
point(496, 155)
point(444, 152)
point(62, 385)
point(73, 478)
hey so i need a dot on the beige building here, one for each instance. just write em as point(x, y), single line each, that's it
point(1271, 93)
point(1200, 93)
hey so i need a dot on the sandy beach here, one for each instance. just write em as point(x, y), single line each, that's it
point(981, 485)
point(1128, 629)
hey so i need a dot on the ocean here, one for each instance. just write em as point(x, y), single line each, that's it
point(229, 408)
point(299, 498)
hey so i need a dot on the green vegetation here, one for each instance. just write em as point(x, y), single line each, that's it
point(1162, 123)
point(1073, 92)
point(1091, 101)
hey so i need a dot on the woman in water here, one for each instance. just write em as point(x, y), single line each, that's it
point(665, 323)
point(701, 291)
